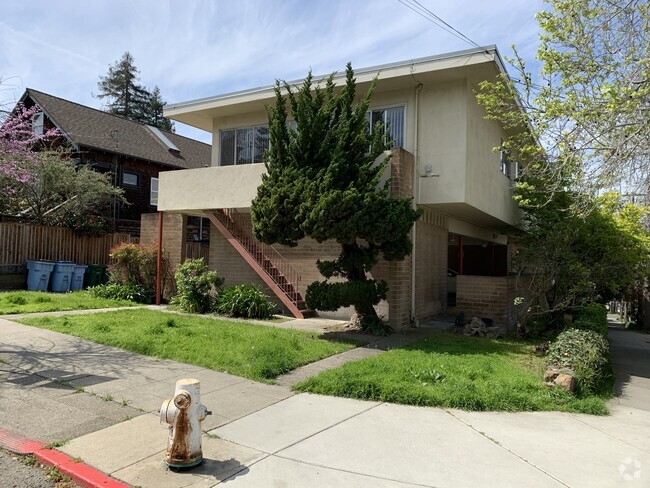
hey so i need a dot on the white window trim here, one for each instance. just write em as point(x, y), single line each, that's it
point(153, 195)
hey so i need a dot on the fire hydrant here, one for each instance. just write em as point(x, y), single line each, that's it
point(184, 414)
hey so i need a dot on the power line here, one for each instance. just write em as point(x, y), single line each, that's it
point(427, 14)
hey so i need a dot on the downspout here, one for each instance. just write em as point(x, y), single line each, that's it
point(416, 197)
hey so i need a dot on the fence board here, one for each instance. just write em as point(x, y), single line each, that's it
point(20, 242)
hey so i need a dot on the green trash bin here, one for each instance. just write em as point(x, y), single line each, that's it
point(95, 275)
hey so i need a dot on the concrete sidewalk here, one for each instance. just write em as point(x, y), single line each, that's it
point(265, 436)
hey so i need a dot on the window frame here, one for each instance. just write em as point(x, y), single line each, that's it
point(388, 107)
point(235, 148)
point(130, 185)
point(153, 200)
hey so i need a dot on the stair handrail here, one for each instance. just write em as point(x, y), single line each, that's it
point(237, 226)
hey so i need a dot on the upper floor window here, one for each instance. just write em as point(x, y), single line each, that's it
point(38, 123)
point(393, 119)
point(243, 146)
point(130, 179)
point(153, 193)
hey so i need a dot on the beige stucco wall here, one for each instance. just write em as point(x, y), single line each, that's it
point(193, 190)
point(453, 137)
point(487, 188)
point(442, 142)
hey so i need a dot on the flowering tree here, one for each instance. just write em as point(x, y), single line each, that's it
point(42, 185)
point(17, 142)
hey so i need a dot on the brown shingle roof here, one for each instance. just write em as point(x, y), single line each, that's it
point(92, 128)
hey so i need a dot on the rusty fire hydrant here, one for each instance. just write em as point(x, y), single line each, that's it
point(184, 414)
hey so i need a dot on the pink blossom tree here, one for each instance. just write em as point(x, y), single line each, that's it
point(17, 143)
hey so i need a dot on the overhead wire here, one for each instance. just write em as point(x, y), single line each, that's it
point(427, 14)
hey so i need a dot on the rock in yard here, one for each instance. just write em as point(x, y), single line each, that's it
point(566, 381)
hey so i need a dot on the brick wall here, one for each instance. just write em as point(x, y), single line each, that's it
point(174, 233)
point(487, 297)
point(399, 272)
point(233, 268)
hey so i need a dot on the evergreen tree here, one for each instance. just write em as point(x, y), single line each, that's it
point(322, 182)
point(155, 111)
point(128, 98)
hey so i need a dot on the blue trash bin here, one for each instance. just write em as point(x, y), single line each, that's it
point(77, 282)
point(62, 276)
point(38, 275)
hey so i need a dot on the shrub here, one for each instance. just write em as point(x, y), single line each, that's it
point(591, 317)
point(119, 291)
point(246, 301)
point(196, 287)
point(586, 353)
point(136, 264)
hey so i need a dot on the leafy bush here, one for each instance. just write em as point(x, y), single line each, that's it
point(196, 287)
point(586, 353)
point(591, 317)
point(118, 291)
point(135, 264)
point(246, 301)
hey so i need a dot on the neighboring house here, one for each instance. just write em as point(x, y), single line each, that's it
point(133, 153)
point(461, 243)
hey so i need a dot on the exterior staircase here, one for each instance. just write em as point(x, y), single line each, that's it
point(276, 272)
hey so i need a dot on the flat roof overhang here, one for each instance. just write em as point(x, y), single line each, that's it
point(445, 67)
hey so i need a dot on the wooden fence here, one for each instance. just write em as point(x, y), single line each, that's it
point(194, 250)
point(20, 242)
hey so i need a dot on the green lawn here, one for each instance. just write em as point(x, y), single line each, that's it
point(37, 301)
point(457, 372)
point(254, 351)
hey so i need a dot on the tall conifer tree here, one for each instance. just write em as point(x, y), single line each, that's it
point(323, 182)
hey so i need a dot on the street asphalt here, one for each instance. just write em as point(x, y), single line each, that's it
point(263, 435)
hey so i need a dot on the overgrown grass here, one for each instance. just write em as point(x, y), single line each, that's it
point(457, 372)
point(254, 351)
point(37, 301)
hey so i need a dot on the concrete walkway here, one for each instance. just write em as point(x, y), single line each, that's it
point(265, 436)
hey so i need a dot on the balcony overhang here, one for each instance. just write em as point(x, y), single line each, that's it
point(194, 190)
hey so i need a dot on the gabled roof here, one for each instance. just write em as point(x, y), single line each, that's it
point(89, 128)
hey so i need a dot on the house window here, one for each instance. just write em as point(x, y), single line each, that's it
point(38, 123)
point(505, 163)
point(393, 119)
point(130, 179)
point(153, 194)
point(247, 145)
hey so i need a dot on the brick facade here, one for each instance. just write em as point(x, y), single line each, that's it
point(489, 297)
point(174, 234)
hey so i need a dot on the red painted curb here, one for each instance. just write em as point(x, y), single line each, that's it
point(81, 473)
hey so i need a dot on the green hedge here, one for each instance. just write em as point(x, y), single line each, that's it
point(591, 317)
point(586, 353)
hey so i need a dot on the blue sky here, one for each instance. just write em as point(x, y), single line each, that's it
point(199, 48)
